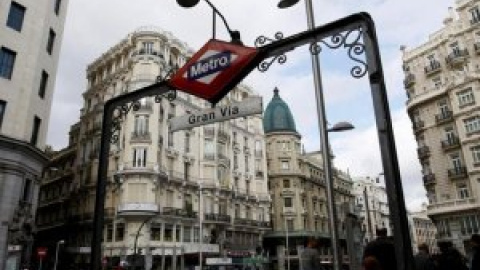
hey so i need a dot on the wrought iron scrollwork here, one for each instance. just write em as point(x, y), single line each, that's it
point(281, 58)
point(121, 112)
point(352, 41)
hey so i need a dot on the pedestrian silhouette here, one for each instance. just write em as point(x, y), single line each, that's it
point(450, 258)
point(475, 257)
point(310, 256)
point(382, 249)
point(423, 260)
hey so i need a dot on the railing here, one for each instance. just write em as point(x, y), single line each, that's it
point(433, 67)
point(223, 135)
point(141, 136)
point(428, 179)
point(409, 80)
point(138, 207)
point(423, 152)
point(418, 124)
point(450, 143)
point(452, 205)
point(456, 56)
point(217, 217)
point(458, 172)
point(444, 116)
point(179, 212)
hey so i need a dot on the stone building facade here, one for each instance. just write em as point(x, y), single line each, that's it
point(30, 39)
point(443, 88)
point(177, 196)
point(297, 187)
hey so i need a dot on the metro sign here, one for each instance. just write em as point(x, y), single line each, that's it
point(214, 70)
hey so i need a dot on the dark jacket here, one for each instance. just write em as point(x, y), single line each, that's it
point(475, 259)
point(383, 249)
point(423, 261)
point(451, 259)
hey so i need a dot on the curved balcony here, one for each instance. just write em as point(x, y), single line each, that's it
point(217, 218)
point(141, 137)
point(445, 116)
point(457, 173)
point(418, 125)
point(432, 68)
point(423, 152)
point(409, 80)
point(137, 209)
point(457, 57)
point(450, 143)
point(428, 179)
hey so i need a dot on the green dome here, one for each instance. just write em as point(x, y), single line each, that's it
point(277, 116)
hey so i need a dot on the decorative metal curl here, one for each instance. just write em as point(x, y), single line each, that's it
point(262, 40)
point(281, 58)
point(265, 65)
point(354, 45)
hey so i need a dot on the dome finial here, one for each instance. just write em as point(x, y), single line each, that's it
point(275, 92)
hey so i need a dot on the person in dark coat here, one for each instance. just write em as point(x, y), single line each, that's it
point(310, 258)
point(475, 259)
point(450, 258)
point(383, 250)
point(423, 260)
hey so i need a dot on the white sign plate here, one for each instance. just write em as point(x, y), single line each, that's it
point(249, 106)
point(218, 261)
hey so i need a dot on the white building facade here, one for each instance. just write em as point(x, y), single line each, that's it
point(30, 39)
point(423, 231)
point(443, 89)
point(199, 192)
point(372, 206)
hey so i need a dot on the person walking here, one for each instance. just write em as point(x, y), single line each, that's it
point(310, 256)
point(450, 258)
point(383, 250)
point(423, 260)
point(475, 259)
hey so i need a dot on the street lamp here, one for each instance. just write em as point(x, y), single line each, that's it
point(322, 124)
point(287, 253)
point(234, 35)
point(61, 242)
point(200, 220)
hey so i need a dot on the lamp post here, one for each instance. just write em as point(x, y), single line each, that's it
point(287, 250)
point(322, 123)
point(200, 220)
point(61, 242)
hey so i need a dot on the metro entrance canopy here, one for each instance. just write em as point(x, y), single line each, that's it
point(219, 66)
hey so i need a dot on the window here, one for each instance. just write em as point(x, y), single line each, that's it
point(3, 108)
point(443, 107)
point(187, 234)
point(36, 128)
point(141, 125)
point(288, 202)
point(290, 225)
point(456, 161)
point(187, 142)
point(51, 41)
point(109, 237)
point(285, 165)
point(119, 232)
point(15, 16)
point(437, 82)
point(466, 97)
point(462, 191)
point(43, 84)
point(27, 187)
point(286, 183)
point(476, 154)
point(475, 15)
point(209, 149)
point(139, 157)
point(168, 233)
point(58, 4)
point(147, 47)
point(472, 124)
point(7, 60)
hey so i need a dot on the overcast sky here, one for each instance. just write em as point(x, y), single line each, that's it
point(93, 26)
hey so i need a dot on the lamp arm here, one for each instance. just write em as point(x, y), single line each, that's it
point(219, 14)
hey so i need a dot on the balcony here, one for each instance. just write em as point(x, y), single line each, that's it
point(222, 218)
point(444, 117)
point(457, 57)
point(423, 152)
point(457, 173)
point(179, 212)
point(450, 143)
point(259, 174)
point(428, 179)
point(258, 153)
point(141, 137)
point(245, 221)
point(409, 80)
point(432, 68)
point(452, 206)
point(137, 209)
point(418, 124)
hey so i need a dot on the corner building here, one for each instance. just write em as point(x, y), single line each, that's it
point(30, 39)
point(198, 191)
point(443, 89)
point(297, 188)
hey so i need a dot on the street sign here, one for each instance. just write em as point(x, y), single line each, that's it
point(249, 106)
point(219, 261)
point(214, 70)
point(41, 252)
